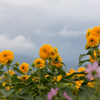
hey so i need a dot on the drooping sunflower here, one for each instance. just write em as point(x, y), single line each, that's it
point(24, 67)
point(24, 77)
point(96, 32)
point(88, 33)
point(44, 51)
point(39, 63)
point(6, 56)
point(57, 62)
point(92, 41)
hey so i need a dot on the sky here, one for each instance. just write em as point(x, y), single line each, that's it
point(25, 25)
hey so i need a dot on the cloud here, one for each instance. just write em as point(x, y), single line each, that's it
point(19, 44)
point(43, 16)
point(64, 32)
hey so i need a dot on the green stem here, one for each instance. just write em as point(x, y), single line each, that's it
point(8, 75)
point(39, 82)
point(9, 80)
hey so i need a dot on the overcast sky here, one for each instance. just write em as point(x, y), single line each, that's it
point(25, 25)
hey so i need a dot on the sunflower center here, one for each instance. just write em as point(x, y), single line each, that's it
point(44, 50)
point(23, 67)
point(52, 53)
point(98, 32)
point(94, 73)
point(5, 55)
point(38, 62)
point(24, 78)
point(91, 40)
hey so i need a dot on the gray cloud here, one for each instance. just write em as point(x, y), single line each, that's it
point(60, 23)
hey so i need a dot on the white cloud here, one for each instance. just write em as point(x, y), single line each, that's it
point(19, 44)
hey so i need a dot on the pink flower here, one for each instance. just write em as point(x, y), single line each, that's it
point(66, 96)
point(52, 93)
point(93, 71)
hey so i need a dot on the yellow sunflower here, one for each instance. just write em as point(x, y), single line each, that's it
point(91, 84)
point(56, 50)
point(88, 33)
point(96, 32)
point(78, 83)
point(44, 51)
point(52, 54)
point(71, 71)
point(80, 70)
point(11, 72)
point(24, 67)
point(57, 64)
point(39, 63)
point(59, 78)
point(24, 77)
point(87, 47)
point(6, 56)
point(92, 41)
point(93, 59)
point(99, 52)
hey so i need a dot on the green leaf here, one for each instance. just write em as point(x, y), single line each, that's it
point(85, 92)
point(39, 98)
point(24, 96)
point(1, 73)
point(69, 76)
point(1, 66)
point(24, 90)
point(61, 71)
point(81, 56)
point(83, 61)
point(61, 63)
point(6, 93)
point(17, 70)
point(2, 80)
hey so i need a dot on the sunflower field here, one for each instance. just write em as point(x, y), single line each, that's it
point(46, 79)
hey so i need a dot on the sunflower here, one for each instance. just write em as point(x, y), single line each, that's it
point(87, 47)
point(11, 72)
point(57, 62)
point(80, 70)
point(88, 33)
point(78, 83)
point(56, 50)
point(92, 41)
point(91, 84)
point(44, 51)
point(39, 63)
point(59, 78)
point(24, 77)
point(71, 71)
point(99, 52)
point(24, 67)
point(6, 57)
point(96, 32)
point(52, 54)
point(93, 59)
